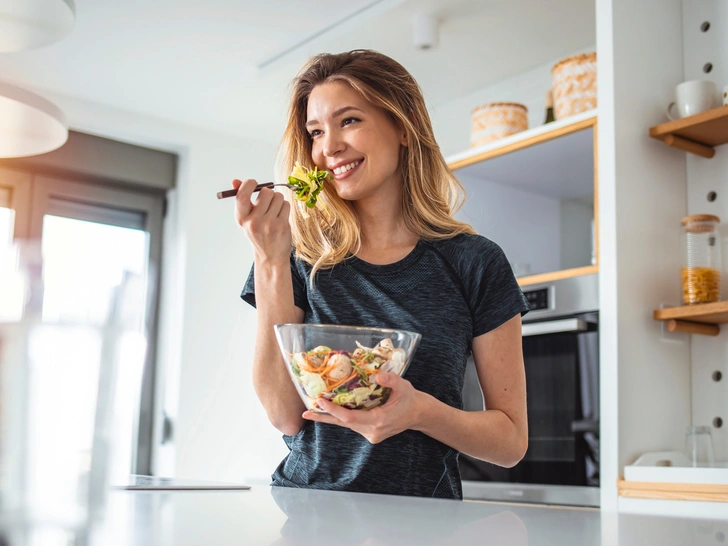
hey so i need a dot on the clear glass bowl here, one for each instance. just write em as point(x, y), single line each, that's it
point(340, 362)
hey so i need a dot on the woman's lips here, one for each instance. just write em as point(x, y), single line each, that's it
point(346, 174)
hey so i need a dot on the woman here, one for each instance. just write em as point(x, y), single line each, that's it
point(382, 249)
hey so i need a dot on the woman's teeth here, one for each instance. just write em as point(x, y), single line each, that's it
point(344, 168)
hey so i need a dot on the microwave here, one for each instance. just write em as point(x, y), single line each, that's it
point(561, 358)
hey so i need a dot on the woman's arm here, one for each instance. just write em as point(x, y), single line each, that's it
point(275, 390)
point(265, 222)
point(500, 433)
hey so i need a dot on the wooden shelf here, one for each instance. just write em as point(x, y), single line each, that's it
point(557, 275)
point(698, 134)
point(702, 318)
point(524, 139)
point(673, 491)
point(706, 313)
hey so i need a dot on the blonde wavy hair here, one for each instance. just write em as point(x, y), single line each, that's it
point(325, 236)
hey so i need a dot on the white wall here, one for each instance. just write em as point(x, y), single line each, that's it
point(575, 233)
point(645, 379)
point(708, 354)
point(495, 209)
point(206, 331)
point(452, 120)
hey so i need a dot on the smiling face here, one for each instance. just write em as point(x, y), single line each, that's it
point(354, 140)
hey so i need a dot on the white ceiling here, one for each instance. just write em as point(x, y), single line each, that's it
point(197, 61)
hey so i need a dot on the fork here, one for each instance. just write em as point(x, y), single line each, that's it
point(233, 192)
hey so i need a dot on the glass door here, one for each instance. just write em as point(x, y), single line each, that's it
point(563, 398)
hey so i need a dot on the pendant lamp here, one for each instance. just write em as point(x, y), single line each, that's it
point(28, 24)
point(29, 124)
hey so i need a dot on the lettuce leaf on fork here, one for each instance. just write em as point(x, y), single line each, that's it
point(307, 183)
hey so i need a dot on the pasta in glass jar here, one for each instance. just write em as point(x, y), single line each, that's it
point(700, 273)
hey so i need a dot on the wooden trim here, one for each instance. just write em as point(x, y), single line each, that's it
point(673, 491)
point(557, 275)
point(525, 143)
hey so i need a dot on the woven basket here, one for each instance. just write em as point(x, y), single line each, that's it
point(497, 120)
point(574, 82)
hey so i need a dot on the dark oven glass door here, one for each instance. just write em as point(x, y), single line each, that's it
point(562, 381)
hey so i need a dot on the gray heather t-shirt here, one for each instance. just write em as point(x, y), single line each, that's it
point(450, 292)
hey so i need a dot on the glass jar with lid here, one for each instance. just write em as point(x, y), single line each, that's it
point(701, 268)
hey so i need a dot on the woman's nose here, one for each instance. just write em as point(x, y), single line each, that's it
point(332, 144)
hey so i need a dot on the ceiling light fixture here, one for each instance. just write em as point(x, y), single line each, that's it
point(29, 124)
point(424, 28)
point(28, 24)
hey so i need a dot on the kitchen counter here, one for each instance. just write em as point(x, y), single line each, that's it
point(271, 516)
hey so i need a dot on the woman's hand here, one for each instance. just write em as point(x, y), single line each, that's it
point(378, 424)
point(264, 221)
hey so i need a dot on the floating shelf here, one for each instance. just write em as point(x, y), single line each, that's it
point(524, 139)
point(702, 318)
point(698, 134)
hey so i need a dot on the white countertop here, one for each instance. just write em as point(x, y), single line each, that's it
point(269, 516)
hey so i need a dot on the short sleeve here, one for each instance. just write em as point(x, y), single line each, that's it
point(300, 299)
point(496, 296)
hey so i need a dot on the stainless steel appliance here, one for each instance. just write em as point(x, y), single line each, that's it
point(561, 356)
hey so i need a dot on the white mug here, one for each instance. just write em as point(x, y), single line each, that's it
point(725, 96)
point(693, 97)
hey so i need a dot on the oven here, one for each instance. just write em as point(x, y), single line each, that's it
point(561, 357)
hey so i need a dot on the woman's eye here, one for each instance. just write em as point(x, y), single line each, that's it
point(349, 121)
point(314, 133)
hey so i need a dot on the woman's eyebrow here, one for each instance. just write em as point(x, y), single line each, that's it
point(335, 114)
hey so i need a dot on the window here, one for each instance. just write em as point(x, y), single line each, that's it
point(91, 233)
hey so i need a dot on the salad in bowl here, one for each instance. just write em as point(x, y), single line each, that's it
point(340, 363)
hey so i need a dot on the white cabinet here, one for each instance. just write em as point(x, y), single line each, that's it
point(534, 194)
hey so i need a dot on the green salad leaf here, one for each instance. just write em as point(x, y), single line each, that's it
point(307, 183)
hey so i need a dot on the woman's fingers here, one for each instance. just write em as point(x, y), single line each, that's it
point(262, 203)
point(321, 418)
point(243, 205)
point(276, 204)
point(285, 209)
point(262, 217)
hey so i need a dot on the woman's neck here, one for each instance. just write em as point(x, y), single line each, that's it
point(384, 237)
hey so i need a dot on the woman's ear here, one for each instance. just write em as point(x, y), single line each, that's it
point(403, 141)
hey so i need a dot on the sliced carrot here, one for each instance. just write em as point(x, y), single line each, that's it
point(346, 379)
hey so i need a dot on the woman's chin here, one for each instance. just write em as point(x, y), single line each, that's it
point(347, 193)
